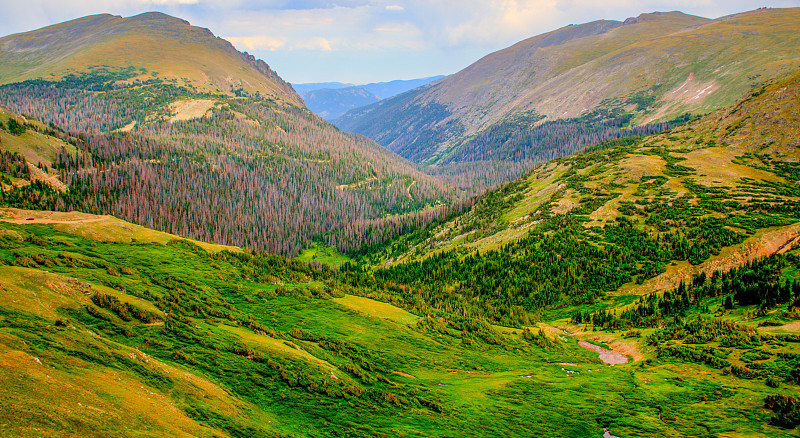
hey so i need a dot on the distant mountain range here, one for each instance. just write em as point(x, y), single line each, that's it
point(331, 100)
point(553, 94)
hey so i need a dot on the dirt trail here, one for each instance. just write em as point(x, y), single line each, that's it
point(358, 184)
point(408, 189)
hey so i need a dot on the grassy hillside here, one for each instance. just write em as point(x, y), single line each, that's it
point(727, 165)
point(556, 93)
point(138, 49)
point(139, 337)
point(626, 219)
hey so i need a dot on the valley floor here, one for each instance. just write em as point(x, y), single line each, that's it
point(149, 334)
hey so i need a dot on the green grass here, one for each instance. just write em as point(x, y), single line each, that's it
point(323, 254)
point(248, 346)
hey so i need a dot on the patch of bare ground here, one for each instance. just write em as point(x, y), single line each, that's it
point(626, 347)
point(127, 128)
point(566, 204)
point(400, 373)
point(190, 109)
point(690, 92)
point(37, 174)
point(17, 216)
point(357, 184)
point(763, 243)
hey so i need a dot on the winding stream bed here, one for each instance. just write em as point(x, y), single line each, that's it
point(610, 357)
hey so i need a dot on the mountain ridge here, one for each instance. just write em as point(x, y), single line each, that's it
point(635, 69)
point(152, 41)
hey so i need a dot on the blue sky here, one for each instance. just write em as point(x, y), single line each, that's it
point(363, 41)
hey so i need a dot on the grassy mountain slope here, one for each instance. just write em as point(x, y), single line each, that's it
point(649, 69)
point(146, 46)
point(188, 157)
point(138, 336)
point(711, 194)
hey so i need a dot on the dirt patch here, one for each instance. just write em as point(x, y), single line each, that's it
point(360, 183)
point(565, 204)
point(763, 243)
point(55, 221)
point(128, 127)
point(776, 240)
point(691, 92)
point(400, 373)
point(190, 109)
point(16, 216)
point(792, 327)
point(37, 174)
point(607, 356)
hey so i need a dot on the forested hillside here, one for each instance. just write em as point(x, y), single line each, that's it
point(241, 168)
point(645, 211)
point(108, 328)
point(557, 93)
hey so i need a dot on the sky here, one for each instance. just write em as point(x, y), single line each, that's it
point(362, 41)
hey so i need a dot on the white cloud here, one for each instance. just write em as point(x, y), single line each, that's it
point(257, 42)
point(395, 8)
point(173, 2)
point(320, 44)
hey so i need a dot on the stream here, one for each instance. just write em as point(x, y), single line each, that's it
point(610, 357)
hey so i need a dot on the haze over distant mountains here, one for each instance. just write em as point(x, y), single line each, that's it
point(331, 100)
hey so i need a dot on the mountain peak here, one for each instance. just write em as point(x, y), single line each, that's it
point(156, 16)
point(659, 16)
point(157, 44)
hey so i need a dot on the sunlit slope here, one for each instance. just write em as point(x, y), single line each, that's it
point(734, 170)
point(137, 338)
point(147, 46)
point(652, 68)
